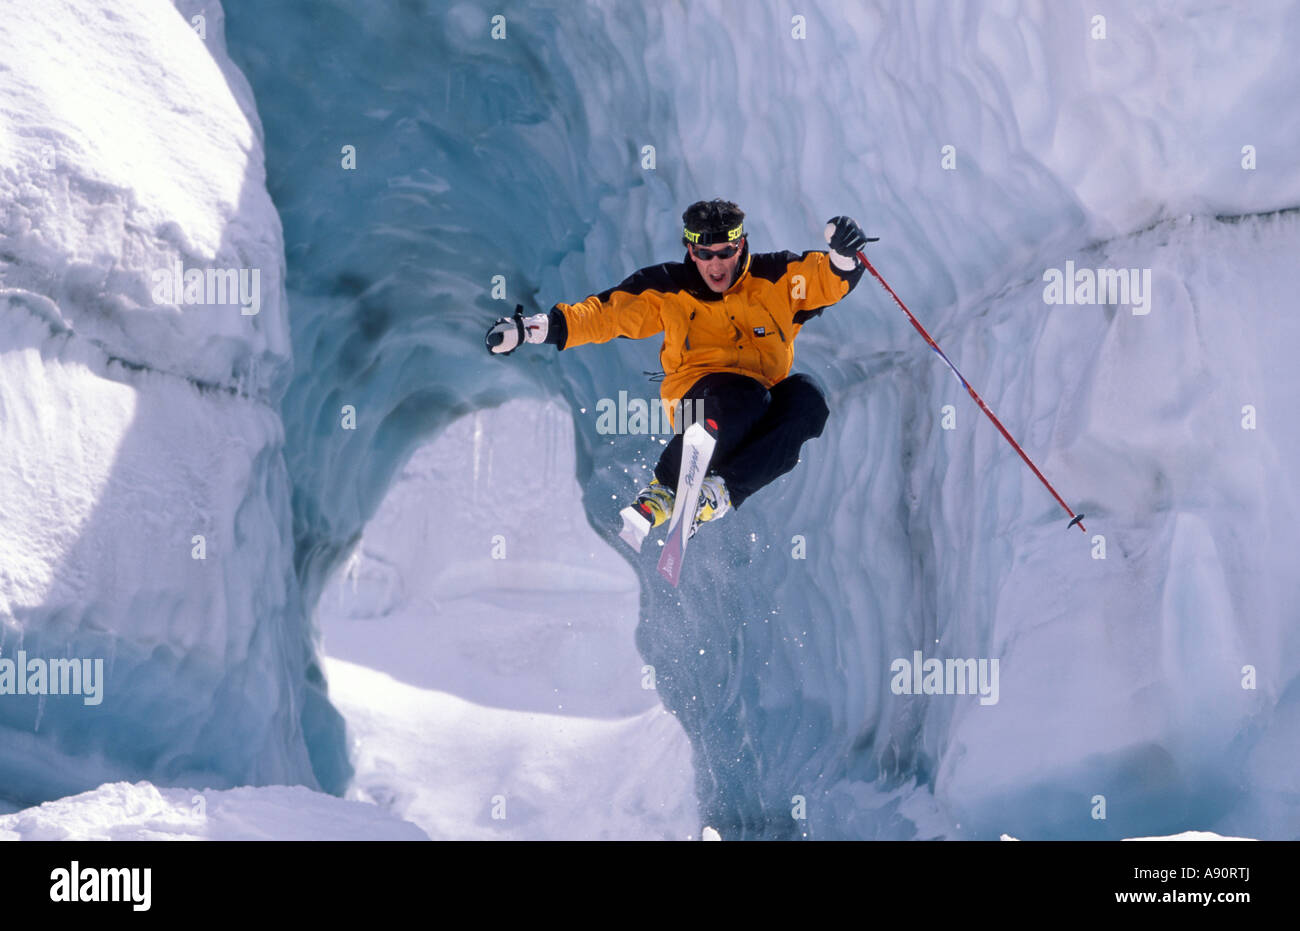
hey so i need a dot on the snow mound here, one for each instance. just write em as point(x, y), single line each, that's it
point(145, 812)
point(462, 771)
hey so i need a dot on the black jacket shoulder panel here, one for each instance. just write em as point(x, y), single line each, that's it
point(770, 266)
point(666, 277)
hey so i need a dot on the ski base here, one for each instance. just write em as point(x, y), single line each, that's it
point(698, 443)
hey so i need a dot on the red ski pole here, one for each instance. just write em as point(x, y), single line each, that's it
point(1077, 519)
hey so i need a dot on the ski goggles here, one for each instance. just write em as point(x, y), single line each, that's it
point(705, 255)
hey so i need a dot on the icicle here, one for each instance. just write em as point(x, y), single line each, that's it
point(478, 447)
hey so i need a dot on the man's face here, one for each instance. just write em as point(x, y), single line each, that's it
point(718, 273)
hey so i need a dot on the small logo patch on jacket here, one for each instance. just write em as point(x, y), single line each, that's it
point(760, 331)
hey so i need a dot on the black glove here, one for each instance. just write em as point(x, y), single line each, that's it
point(846, 237)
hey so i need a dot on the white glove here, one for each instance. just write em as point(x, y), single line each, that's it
point(508, 333)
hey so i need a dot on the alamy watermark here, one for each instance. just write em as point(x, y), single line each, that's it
point(932, 676)
point(80, 883)
point(1131, 286)
point(638, 415)
point(36, 676)
point(211, 286)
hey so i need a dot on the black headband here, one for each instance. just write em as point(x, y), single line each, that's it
point(709, 237)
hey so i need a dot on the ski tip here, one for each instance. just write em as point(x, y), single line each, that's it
point(1077, 520)
point(670, 572)
point(670, 560)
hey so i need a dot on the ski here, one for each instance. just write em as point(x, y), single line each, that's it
point(697, 449)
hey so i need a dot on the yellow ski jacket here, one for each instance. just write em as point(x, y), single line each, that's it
point(748, 329)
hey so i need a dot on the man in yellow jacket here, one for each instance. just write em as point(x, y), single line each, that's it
point(729, 320)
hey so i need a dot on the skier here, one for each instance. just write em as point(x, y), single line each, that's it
point(729, 321)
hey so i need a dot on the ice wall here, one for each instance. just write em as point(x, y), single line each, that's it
point(524, 156)
point(132, 427)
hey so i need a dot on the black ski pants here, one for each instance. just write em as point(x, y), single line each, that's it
point(759, 431)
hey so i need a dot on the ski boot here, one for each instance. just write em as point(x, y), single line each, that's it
point(715, 501)
point(654, 506)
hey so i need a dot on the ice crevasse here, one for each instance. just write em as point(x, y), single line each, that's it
point(1119, 677)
